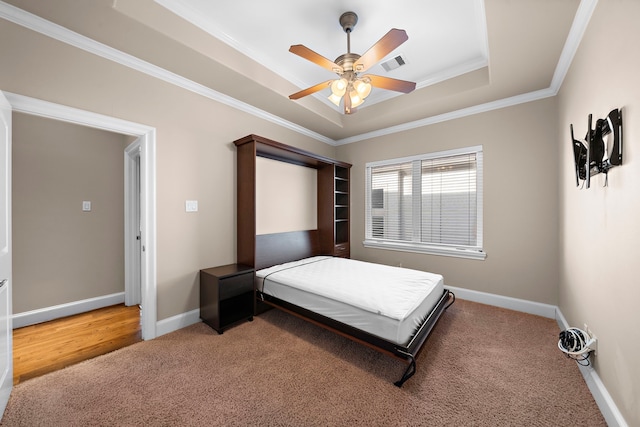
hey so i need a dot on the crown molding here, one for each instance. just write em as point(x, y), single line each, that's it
point(196, 18)
point(579, 26)
point(62, 34)
point(457, 114)
point(55, 31)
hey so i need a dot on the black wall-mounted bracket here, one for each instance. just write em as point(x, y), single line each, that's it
point(601, 148)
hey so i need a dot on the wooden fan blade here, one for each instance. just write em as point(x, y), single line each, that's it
point(382, 48)
point(316, 58)
point(310, 90)
point(391, 84)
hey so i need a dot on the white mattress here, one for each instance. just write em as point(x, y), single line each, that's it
point(390, 302)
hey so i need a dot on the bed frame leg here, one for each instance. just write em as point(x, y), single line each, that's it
point(411, 369)
point(452, 298)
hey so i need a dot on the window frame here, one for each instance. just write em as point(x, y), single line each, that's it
point(471, 252)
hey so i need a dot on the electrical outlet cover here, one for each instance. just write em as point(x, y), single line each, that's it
point(191, 206)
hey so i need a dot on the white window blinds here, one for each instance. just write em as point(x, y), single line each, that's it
point(430, 203)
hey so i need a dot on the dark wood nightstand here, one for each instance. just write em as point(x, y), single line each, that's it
point(226, 295)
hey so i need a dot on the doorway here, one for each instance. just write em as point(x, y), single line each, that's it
point(132, 232)
point(140, 214)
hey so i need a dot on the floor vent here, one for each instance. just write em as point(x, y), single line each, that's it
point(394, 63)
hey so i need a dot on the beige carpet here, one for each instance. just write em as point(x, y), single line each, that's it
point(482, 366)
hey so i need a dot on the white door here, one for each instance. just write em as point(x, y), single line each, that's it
point(138, 222)
point(133, 246)
point(6, 353)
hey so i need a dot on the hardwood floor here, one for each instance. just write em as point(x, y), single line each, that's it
point(49, 346)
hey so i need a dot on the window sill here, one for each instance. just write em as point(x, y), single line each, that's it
point(431, 250)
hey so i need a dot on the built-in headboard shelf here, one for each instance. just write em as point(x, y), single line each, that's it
point(332, 235)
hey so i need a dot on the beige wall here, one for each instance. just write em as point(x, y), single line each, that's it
point(520, 199)
point(546, 240)
point(599, 231)
point(286, 197)
point(62, 254)
point(195, 157)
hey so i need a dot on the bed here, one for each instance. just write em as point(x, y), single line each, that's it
point(401, 337)
point(391, 309)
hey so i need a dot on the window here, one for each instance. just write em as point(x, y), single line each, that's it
point(430, 203)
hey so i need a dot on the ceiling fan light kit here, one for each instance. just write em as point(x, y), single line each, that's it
point(351, 88)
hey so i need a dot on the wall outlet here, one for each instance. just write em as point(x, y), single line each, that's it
point(594, 344)
point(593, 341)
point(587, 330)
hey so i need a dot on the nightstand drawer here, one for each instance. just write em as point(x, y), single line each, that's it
point(226, 295)
point(236, 285)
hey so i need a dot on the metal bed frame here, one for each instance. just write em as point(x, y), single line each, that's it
point(407, 353)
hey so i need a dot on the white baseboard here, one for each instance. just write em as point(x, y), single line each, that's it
point(524, 306)
point(33, 317)
point(603, 399)
point(178, 321)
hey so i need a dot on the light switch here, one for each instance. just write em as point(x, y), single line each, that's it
point(191, 206)
point(86, 206)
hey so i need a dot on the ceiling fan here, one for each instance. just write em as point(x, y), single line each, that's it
point(352, 87)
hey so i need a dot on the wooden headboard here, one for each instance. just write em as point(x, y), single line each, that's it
point(260, 251)
point(278, 248)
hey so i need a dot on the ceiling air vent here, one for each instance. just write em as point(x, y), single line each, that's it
point(393, 63)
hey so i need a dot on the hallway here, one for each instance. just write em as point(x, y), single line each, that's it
point(47, 347)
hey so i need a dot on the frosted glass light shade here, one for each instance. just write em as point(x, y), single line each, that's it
point(335, 99)
point(356, 99)
point(363, 88)
point(339, 87)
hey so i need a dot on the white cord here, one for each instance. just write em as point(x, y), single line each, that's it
point(580, 347)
